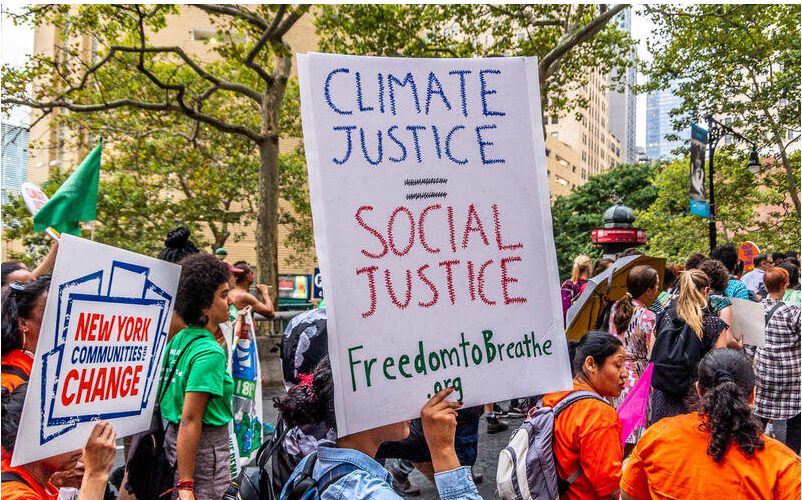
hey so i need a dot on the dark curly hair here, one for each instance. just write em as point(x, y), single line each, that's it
point(728, 256)
point(177, 245)
point(12, 403)
point(726, 381)
point(793, 272)
point(596, 344)
point(716, 273)
point(310, 404)
point(19, 304)
point(694, 260)
point(8, 267)
point(201, 275)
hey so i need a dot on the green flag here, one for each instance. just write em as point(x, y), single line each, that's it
point(75, 200)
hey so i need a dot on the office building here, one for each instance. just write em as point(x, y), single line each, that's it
point(622, 105)
point(14, 159)
point(658, 124)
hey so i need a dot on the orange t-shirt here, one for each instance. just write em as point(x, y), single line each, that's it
point(671, 461)
point(588, 433)
point(18, 359)
point(14, 490)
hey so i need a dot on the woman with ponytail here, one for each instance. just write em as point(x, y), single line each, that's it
point(345, 468)
point(23, 307)
point(718, 451)
point(633, 323)
point(587, 434)
point(572, 288)
point(690, 308)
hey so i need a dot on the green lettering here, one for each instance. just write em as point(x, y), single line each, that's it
point(450, 352)
point(368, 365)
point(509, 350)
point(489, 347)
point(476, 354)
point(464, 344)
point(388, 362)
point(546, 347)
point(500, 352)
point(434, 360)
point(519, 350)
point(420, 360)
point(352, 362)
point(402, 362)
point(527, 341)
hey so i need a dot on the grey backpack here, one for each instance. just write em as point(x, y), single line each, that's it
point(526, 467)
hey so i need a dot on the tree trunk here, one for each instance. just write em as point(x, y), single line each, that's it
point(267, 217)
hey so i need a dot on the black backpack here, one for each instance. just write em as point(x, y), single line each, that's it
point(150, 473)
point(254, 482)
point(676, 354)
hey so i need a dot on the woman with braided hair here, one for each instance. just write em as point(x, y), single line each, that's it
point(719, 450)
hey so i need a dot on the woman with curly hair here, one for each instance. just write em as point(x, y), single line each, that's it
point(719, 451)
point(196, 401)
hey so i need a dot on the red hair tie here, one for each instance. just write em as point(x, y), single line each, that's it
point(306, 381)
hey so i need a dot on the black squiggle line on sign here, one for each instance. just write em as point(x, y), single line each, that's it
point(428, 180)
point(420, 196)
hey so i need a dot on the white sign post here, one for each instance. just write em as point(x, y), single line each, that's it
point(100, 347)
point(433, 230)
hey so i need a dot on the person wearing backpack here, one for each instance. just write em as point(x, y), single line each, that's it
point(32, 481)
point(196, 400)
point(347, 468)
point(719, 450)
point(571, 289)
point(777, 364)
point(587, 434)
point(686, 331)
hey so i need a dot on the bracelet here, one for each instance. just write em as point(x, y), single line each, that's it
point(183, 484)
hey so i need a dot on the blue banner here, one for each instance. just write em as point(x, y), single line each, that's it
point(698, 192)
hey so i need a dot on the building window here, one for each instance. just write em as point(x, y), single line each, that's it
point(573, 168)
point(555, 134)
point(548, 152)
point(554, 120)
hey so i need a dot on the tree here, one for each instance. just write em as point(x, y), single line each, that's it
point(737, 61)
point(748, 209)
point(569, 40)
point(252, 74)
point(576, 215)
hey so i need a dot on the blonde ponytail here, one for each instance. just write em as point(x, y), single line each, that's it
point(581, 263)
point(691, 300)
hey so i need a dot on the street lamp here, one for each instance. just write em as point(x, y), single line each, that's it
point(717, 130)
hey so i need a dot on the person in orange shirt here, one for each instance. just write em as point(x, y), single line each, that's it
point(22, 310)
point(31, 481)
point(587, 435)
point(717, 452)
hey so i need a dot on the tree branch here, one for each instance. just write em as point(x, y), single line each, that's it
point(234, 11)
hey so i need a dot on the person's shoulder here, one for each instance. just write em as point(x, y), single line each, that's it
point(778, 453)
point(13, 490)
point(670, 429)
point(360, 484)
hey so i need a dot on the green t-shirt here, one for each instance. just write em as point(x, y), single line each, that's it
point(203, 368)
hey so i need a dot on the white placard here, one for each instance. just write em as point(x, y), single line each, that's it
point(749, 320)
point(35, 199)
point(433, 230)
point(100, 346)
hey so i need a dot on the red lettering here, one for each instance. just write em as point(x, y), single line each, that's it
point(126, 381)
point(72, 374)
point(120, 323)
point(127, 334)
point(372, 286)
point(85, 385)
point(481, 286)
point(421, 222)
point(90, 335)
point(450, 213)
point(497, 223)
point(135, 380)
point(373, 232)
point(100, 385)
point(391, 225)
point(146, 328)
point(105, 329)
point(137, 335)
point(431, 287)
point(392, 292)
point(504, 280)
point(472, 215)
point(83, 326)
point(471, 281)
point(450, 277)
point(111, 387)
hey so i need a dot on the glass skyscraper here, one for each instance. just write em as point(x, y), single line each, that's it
point(658, 123)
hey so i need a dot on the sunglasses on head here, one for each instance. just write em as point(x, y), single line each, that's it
point(17, 285)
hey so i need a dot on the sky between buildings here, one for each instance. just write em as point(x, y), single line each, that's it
point(17, 46)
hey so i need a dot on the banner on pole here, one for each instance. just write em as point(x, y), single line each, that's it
point(698, 190)
point(432, 222)
point(100, 345)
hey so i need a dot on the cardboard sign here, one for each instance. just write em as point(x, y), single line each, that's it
point(100, 345)
point(35, 199)
point(433, 230)
point(749, 320)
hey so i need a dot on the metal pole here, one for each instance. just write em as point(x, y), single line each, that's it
point(712, 138)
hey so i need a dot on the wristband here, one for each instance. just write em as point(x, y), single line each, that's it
point(183, 484)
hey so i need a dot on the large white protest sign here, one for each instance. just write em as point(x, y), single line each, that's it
point(100, 346)
point(748, 321)
point(433, 230)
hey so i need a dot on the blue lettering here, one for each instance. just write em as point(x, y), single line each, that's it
point(348, 130)
point(448, 146)
point(462, 73)
point(400, 145)
point(359, 94)
point(364, 149)
point(327, 91)
point(436, 141)
point(407, 79)
point(430, 91)
point(482, 144)
point(414, 129)
point(486, 92)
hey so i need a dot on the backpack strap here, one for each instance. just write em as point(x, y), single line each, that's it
point(305, 487)
point(16, 371)
point(563, 404)
point(13, 477)
point(773, 310)
point(165, 383)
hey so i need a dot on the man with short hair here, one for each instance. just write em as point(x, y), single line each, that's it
point(242, 298)
point(728, 255)
point(753, 279)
